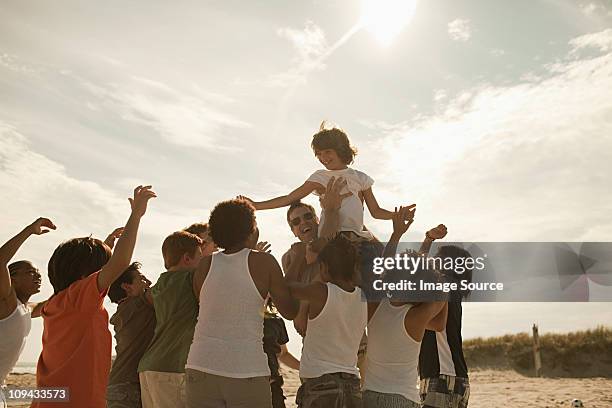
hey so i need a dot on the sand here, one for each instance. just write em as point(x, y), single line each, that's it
point(489, 389)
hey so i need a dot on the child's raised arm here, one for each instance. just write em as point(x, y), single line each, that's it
point(283, 201)
point(122, 255)
point(8, 250)
point(375, 210)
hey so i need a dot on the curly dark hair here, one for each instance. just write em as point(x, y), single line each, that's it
point(340, 256)
point(75, 259)
point(231, 223)
point(298, 204)
point(335, 139)
point(116, 292)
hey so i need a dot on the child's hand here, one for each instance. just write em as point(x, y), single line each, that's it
point(402, 219)
point(438, 232)
point(113, 236)
point(142, 195)
point(263, 246)
point(41, 226)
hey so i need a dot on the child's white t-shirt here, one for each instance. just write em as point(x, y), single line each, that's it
point(351, 209)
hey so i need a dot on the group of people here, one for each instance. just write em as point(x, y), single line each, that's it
point(208, 333)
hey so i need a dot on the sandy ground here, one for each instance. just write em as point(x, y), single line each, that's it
point(489, 389)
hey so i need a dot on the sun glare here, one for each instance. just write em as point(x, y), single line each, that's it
point(385, 19)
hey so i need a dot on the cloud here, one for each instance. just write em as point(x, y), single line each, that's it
point(601, 41)
point(497, 52)
point(184, 118)
point(530, 161)
point(311, 48)
point(459, 30)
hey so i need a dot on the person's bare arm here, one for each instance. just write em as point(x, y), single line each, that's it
point(330, 203)
point(419, 316)
point(287, 358)
point(438, 323)
point(402, 219)
point(283, 201)
point(122, 256)
point(200, 275)
point(374, 208)
point(433, 234)
point(37, 308)
point(266, 264)
point(9, 249)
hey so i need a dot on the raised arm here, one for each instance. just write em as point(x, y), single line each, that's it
point(418, 317)
point(283, 201)
point(375, 210)
point(330, 203)
point(402, 220)
point(122, 255)
point(433, 234)
point(10, 248)
point(113, 236)
point(438, 323)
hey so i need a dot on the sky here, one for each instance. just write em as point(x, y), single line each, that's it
point(494, 117)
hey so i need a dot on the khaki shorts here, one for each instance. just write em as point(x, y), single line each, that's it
point(214, 391)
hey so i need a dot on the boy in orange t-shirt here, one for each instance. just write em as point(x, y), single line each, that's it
point(76, 340)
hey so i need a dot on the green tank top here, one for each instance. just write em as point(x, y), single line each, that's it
point(176, 313)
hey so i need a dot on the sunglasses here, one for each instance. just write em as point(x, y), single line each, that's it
point(297, 220)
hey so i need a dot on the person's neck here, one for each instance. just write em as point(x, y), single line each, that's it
point(179, 267)
point(340, 168)
point(24, 298)
point(235, 249)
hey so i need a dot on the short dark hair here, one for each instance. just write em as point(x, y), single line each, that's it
point(14, 267)
point(178, 244)
point(232, 222)
point(197, 228)
point(298, 204)
point(340, 256)
point(75, 259)
point(455, 252)
point(335, 139)
point(116, 292)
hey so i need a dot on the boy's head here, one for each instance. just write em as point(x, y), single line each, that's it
point(182, 249)
point(131, 283)
point(232, 224)
point(75, 259)
point(460, 271)
point(25, 278)
point(303, 221)
point(333, 148)
point(339, 256)
point(202, 230)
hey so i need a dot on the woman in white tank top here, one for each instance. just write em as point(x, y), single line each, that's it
point(226, 365)
point(337, 319)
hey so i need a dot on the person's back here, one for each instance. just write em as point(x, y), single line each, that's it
point(333, 336)
point(228, 339)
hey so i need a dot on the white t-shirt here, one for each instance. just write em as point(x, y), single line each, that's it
point(14, 330)
point(351, 209)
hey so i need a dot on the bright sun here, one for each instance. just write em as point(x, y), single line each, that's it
point(386, 18)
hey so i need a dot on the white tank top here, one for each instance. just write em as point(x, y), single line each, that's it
point(393, 356)
point(14, 330)
point(228, 338)
point(333, 337)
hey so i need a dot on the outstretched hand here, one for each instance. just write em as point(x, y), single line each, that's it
point(41, 226)
point(263, 246)
point(403, 218)
point(113, 236)
point(245, 198)
point(438, 232)
point(332, 199)
point(142, 195)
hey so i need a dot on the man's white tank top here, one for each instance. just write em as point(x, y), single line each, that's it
point(333, 337)
point(393, 356)
point(14, 330)
point(228, 338)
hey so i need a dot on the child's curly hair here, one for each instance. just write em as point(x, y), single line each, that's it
point(231, 223)
point(336, 139)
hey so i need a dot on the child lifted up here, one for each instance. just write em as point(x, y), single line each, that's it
point(333, 149)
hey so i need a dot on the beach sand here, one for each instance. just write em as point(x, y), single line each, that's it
point(489, 389)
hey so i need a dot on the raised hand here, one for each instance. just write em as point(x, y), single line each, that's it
point(263, 246)
point(438, 232)
point(245, 198)
point(41, 226)
point(332, 199)
point(142, 195)
point(402, 219)
point(110, 240)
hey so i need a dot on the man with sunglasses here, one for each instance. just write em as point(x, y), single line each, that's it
point(18, 282)
point(304, 223)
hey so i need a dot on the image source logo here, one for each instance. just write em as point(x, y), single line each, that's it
point(505, 272)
